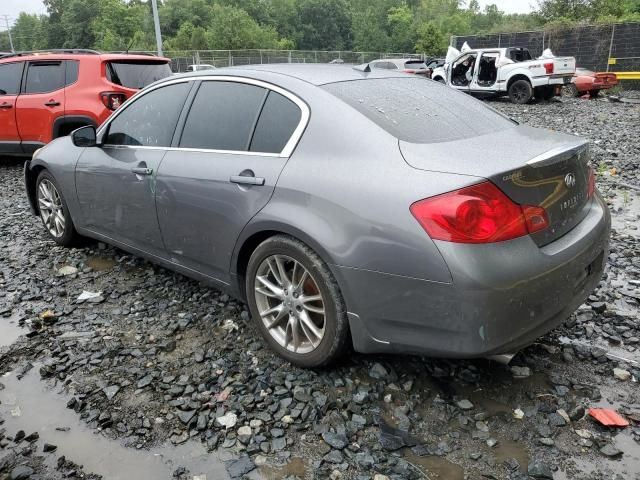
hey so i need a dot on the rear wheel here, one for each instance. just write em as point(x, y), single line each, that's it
point(570, 91)
point(520, 92)
point(54, 212)
point(296, 303)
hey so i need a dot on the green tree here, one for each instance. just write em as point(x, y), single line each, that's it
point(402, 29)
point(324, 24)
point(430, 39)
point(232, 28)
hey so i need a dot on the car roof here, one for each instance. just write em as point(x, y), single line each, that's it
point(316, 73)
point(62, 55)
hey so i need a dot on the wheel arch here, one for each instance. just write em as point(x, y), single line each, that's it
point(518, 76)
point(32, 170)
point(60, 124)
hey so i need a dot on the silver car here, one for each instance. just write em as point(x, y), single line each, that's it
point(346, 206)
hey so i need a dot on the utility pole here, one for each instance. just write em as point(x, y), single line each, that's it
point(6, 21)
point(156, 22)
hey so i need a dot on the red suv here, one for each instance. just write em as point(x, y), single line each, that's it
point(45, 95)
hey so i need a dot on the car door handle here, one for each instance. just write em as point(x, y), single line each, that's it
point(142, 170)
point(6, 106)
point(52, 103)
point(242, 180)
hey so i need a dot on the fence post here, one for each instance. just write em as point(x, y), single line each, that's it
point(230, 59)
point(289, 56)
point(452, 41)
point(260, 57)
point(315, 55)
point(613, 32)
point(543, 40)
point(499, 40)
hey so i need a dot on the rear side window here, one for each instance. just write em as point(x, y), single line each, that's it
point(44, 77)
point(71, 74)
point(278, 120)
point(136, 74)
point(222, 116)
point(10, 74)
point(419, 111)
point(151, 119)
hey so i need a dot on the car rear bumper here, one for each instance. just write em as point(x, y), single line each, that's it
point(502, 298)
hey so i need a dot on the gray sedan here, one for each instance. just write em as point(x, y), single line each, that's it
point(346, 206)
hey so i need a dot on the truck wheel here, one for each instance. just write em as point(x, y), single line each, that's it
point(520, 92)
point(570, 91)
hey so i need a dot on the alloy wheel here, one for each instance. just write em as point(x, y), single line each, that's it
point(50, 206)
point(290, 303)
point(520, 93)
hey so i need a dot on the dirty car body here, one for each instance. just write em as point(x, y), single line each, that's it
point(449, 229)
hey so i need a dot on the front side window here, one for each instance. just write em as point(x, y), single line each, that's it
point(223, 116)
point(10, 74)
point(44, 77)
point(151, 119)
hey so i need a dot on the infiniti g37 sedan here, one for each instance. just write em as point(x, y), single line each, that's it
point(345, 206)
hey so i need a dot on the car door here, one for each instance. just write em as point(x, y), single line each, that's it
point(234, 143)
point(10, 77)
point(40, 102)
point(457, 72)
point(485, 72)
point(116, 180)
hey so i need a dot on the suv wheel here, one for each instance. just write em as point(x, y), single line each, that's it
point(296, 303)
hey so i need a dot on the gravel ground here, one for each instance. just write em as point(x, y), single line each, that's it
point(158, 376)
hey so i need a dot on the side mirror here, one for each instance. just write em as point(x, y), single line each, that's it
point(84, 136)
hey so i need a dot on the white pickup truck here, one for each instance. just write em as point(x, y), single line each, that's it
point(506, 71)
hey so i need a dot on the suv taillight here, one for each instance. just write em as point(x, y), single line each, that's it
point(548, 68)
point(113, 100)
point(477, 214)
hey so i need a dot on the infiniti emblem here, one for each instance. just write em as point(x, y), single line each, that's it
point(570, 180)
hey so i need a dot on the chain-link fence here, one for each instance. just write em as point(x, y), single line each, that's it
point(614, 47)
point(181, 60)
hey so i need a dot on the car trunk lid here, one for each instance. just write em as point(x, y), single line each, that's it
point(531, 166)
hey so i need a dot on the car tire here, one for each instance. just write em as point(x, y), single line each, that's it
point(306, 276)
point(441, 80)
point(520, 92)
point(570, 91)
point(54, 212)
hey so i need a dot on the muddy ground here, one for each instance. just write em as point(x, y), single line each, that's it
point(158, 376)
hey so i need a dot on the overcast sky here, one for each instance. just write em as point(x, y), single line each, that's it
point(14, 7)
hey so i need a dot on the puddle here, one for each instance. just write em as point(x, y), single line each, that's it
point(97, 454)
point(626, 206)
point(506, 449)
point(99, 264)
point(10, 330)
point(295, 468)
point(437, 468)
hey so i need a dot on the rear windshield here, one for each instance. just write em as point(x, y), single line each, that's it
point(416, 64)
point(136, 74)
point(418, 110)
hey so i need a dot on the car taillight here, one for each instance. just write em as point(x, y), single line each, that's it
point(548, 68)
point(477, 214)
point(113, 100)
point(408, 70)
point(591, 187)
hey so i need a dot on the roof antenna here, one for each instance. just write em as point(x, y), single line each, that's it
point(363, 68)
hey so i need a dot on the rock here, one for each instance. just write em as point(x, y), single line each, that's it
point(186, 416)
point(378, 372)
point(240, 467)
point(546, 441)
point(244, 434)
point(539, 470)
point(610, 450)
point(228, 421)
point(48, 447)
point(390, 442)
point(67, 270)
point(621, 374)
point(520, 372)
point(145, 381)
point(111, 391)
point(464, 404)
point(21, 472)
point(335, 440)
point(334, 456)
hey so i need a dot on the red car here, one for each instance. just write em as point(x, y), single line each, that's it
point(45, 95)
point(586, 81)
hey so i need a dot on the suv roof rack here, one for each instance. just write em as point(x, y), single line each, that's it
point(85, 51)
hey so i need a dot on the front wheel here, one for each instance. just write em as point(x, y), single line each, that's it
point(296, 303)
point(54, 212)
point(520, 92)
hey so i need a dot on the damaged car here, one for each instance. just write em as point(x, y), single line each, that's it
point(348, 207)
point(506, 71)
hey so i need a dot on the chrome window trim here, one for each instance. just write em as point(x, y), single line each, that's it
point(286, 152)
